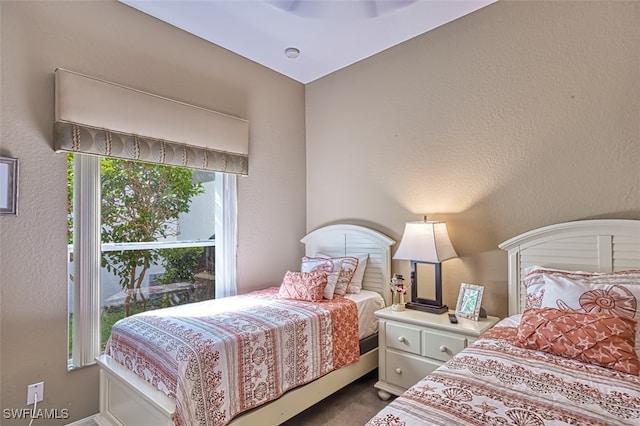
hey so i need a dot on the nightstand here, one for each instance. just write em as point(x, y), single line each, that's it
point(411, 344)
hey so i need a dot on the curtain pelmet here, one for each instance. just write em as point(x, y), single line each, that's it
point(71, 137)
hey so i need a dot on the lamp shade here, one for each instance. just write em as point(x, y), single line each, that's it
point(425, 241)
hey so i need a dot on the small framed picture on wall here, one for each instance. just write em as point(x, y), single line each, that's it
point(8, 185)
point(469, 301)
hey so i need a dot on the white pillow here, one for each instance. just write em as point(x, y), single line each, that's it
point(355, 285)
point(537, 278)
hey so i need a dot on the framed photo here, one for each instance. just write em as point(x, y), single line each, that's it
point(8, 185)
point(469, 300)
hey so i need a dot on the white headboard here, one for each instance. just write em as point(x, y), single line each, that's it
point(598, 245)
point(354, 240)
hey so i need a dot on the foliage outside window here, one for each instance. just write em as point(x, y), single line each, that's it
point(156, 229)
point(140, 202)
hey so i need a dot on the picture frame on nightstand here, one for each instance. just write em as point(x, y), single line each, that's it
point(469, 301)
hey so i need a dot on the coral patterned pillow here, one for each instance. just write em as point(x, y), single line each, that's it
point(355, 285)
point(340, 270)
point(596, 338)
point(613, 293)
point(348, 266)
point(314, 264)
point(307, 286)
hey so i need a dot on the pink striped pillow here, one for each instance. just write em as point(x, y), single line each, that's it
point(307, 286)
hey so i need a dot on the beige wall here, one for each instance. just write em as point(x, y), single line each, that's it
point(520, 115)
point(109, 40)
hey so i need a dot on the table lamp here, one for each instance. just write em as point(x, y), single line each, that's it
point(426, 242)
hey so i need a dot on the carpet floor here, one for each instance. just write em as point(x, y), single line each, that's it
point(353, 405)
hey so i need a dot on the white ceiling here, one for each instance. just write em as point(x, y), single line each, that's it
point(330, 34)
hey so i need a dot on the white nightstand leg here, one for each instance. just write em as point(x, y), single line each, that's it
point(383, 395)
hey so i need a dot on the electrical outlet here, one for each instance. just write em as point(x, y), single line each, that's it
point(33, 391)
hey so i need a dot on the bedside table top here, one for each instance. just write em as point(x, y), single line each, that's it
point(439, 321)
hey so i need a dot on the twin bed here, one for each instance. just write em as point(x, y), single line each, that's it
point(522, 372)
point(165, 382)
point(567, 353)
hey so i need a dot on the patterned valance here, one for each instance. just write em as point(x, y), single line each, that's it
point(86, 140)
point(101, 118)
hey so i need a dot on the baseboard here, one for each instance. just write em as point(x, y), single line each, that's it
point(87, 421)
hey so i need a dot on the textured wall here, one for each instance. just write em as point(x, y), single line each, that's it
point(520, 115)
point(114, 42)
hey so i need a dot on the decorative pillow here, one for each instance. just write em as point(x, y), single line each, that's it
point(537, 279)
point(341, 270)
point(331, 269)
point(355, 285)
point(596, 338)
point(615, 293)
point(307, 286)
point(348, 266)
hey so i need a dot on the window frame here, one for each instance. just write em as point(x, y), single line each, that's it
point(87, 248)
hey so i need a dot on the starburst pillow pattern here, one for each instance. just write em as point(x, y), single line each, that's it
point(597, 338)
point(613, 293)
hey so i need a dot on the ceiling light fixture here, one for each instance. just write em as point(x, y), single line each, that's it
point(291, 52)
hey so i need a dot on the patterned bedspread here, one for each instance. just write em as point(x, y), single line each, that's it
point(219, 358)
point(493, 382)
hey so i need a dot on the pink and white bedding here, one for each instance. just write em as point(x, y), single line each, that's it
point(222, 357)
point(497, 382)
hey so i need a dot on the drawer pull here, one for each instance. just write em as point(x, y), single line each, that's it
point(399, 370)
point(443, 348)
point(402, 339)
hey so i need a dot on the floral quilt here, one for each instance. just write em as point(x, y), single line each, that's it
point(494, 382)
point(222, 357)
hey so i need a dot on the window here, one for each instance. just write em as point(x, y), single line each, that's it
point(142, 237)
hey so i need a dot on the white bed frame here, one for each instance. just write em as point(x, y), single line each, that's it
point(598, 245)
point(128, 400)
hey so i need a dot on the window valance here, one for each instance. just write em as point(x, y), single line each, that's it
point(101, 118)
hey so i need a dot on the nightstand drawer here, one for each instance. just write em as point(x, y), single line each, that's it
point(403, 337)
point(406, 370)
point(441, 346)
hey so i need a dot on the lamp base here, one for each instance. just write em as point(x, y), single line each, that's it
point(433, 309)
